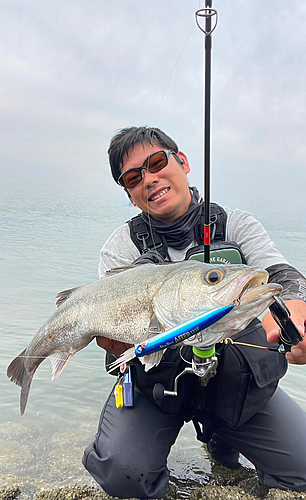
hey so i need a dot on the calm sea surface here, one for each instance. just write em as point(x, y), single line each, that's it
point(51, 233)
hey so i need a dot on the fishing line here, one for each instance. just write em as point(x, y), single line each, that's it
point(152, 142)
point(71, 362)
point(207, 215)
point(155, 122)
point(94, 367)
point(171, 74)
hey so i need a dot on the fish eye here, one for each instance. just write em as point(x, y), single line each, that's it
point(215, 276)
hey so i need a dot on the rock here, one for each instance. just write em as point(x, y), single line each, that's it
point(247, 489)
point(253, 487)
point(71, 493)
point(9, 492)
point(221, 476)
point(275, 494)
point(171, 492)
point(220, 493)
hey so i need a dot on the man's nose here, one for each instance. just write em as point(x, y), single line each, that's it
point(149, 178)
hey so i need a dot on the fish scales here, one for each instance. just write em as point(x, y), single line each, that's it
point(123, 306)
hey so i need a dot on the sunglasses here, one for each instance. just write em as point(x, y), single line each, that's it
point(153, 163)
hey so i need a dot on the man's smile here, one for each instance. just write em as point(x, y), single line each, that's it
point(159, 194)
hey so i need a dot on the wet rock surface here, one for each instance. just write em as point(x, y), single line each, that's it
point(40, 462)
point(9, 492)
point(242, 484)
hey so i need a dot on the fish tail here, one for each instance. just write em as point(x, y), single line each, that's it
point(128, 355)
point(18, 374)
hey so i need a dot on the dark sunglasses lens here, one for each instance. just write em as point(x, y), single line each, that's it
point(131, 178)
point(153, 164)
point(156, 162)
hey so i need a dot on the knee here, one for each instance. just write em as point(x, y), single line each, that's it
point(120, 477)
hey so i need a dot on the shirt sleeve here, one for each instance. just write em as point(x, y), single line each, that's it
point(253, 239)
point(260, 250)
point(292, 281)
point(117, 251)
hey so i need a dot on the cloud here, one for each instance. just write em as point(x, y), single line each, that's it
point(74, 72)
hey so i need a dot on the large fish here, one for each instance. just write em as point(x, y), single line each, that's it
point(127, 307)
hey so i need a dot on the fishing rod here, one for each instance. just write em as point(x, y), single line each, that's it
point(204, 361)
point(207, 13)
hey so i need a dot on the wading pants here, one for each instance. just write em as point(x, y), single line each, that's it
point(129, 455)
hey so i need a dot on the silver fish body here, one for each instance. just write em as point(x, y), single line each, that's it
point(124, 306)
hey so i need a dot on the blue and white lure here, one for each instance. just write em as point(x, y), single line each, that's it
point(174, 336)
point(182, 332)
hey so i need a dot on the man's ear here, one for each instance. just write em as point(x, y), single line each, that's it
point(185, 161)
point(130, 197)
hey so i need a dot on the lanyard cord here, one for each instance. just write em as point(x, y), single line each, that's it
point(233, 342)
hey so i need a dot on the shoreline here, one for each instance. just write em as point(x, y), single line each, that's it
point(223, 484)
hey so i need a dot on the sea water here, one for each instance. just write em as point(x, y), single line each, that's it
point(52, 228)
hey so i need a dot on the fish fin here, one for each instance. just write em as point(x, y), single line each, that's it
point(65, 294)
point(18, 374)
point(128, 355)
point(16, 368)
point(117, 270)
point(164, 316)
point(154, 327)
point(151, 360)
point(58, 362)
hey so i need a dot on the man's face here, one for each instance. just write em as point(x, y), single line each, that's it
point(165, 194)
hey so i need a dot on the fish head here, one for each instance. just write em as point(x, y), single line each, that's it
point(248, 289)
point(199, 287)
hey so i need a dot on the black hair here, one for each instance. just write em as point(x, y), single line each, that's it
point(126, 139)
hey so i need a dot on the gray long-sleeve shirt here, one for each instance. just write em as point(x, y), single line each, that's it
point(241, 227)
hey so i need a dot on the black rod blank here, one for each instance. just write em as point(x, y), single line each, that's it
point(207, 13)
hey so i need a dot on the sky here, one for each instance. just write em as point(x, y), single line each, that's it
point(72, 73)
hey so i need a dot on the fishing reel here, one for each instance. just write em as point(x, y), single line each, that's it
point(204, 365)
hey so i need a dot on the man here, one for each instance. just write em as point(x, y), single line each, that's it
point(129, 455)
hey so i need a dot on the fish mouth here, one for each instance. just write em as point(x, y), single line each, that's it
point(251, 287)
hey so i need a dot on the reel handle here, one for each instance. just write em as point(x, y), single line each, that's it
point(289, 334)
point(158, 392)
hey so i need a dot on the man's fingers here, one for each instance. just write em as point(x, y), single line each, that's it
point(112, 346)
point(271, 327)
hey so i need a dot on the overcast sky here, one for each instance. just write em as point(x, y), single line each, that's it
point(72, 72)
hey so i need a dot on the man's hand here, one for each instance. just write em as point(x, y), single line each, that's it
point(297, 308)
point(112, 346)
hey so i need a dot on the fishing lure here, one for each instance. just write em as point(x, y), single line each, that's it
point(182, 332)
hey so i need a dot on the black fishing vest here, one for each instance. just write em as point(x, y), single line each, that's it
point(246, 377)
point(150, 242)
